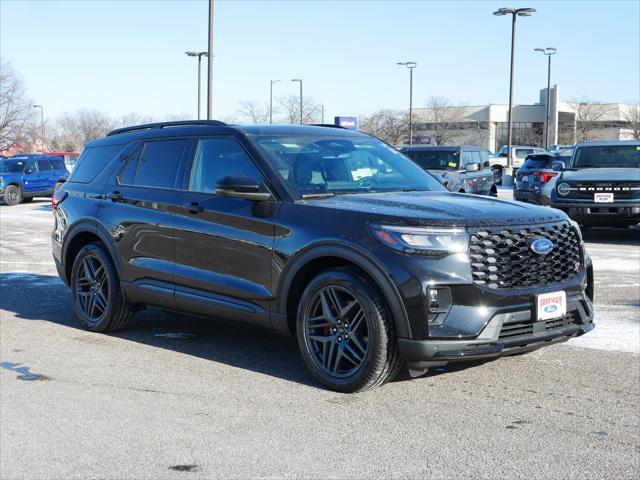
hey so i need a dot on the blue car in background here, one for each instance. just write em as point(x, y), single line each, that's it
point(24, 177)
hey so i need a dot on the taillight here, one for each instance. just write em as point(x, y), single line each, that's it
point(57, 198)
point(546, 176)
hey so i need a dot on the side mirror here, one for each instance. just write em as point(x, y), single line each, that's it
point(472, 167)
point(558, 165)
point(241, 187)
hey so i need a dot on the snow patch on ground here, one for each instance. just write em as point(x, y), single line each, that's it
point(611, 335)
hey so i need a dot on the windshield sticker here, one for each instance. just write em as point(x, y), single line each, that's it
point(453, 164)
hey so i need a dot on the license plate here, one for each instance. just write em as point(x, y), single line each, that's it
point(603, 197)
point(551, 305)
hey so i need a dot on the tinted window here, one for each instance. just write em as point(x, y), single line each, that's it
point(92, 162)
point(470, 157)
point(31, 165)
point(12, 166)
point(217, 158)
point(538, 163)
point(159, 163)
point(44, 165)
point(58, 164)
point(435, 159)
point(612, 156)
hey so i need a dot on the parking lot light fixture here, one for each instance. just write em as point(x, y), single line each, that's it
point(514, 12)
point(410, 66)
point(199, 55)
point(41, 122)
point(271, 100)
point(549, 51)
point(299, 80)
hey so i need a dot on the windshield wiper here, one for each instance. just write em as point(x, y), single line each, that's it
point(307, 196)
point(414, 190)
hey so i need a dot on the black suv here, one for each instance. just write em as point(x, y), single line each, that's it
point(323, 233)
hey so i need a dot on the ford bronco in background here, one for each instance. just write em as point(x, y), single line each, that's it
point(323, 233)
point(601, 184)
point(24, 177)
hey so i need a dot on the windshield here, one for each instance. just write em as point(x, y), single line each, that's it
point(12, 166)
point(611, 156)
point(435, 159)
point(312, 165)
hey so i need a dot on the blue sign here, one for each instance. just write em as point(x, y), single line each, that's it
point(541, 246)
point(347, 122)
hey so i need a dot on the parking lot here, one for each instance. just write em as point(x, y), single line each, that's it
point(180, 397)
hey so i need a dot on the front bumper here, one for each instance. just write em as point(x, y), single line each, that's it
point(506, 333)
point(604, 214)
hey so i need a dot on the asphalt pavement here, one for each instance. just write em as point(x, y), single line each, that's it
point(181, 397)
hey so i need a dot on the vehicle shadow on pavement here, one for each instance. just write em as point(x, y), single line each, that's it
point(46, 298)
point(615, 236)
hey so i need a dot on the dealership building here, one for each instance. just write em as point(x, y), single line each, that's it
point(486, 125)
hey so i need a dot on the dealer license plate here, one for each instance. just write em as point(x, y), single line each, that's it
point(551, 305)
point(603, 197)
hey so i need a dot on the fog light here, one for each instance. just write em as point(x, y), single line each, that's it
point(433, 299)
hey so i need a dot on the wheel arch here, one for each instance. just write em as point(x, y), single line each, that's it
point(313, 260)
point(82, 233)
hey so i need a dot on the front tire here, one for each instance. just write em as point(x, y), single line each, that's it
point(12, 195)
point(345, 332)
point(95, 288)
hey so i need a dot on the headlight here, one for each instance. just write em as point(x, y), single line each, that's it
point(564, 189)
point(422, 240)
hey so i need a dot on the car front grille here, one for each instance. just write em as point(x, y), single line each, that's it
point(516, 330)
point(501, 257)
point(620, 190)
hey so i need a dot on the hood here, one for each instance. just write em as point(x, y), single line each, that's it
point(440, 209)
point(601, 175)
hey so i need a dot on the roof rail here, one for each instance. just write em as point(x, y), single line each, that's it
point(181, 123)
point(329, 125)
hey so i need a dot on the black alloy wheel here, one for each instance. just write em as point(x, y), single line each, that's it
point(345, 332)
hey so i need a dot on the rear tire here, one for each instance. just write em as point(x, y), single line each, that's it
point(345, 332)
point(12, 195)
point(95, 288)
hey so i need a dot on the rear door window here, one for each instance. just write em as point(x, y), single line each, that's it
point(44, 165)
point(92, 161)
point(156, 166)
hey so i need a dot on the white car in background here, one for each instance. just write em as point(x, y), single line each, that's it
point(518, 153)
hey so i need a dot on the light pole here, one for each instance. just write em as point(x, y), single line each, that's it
point(549, 51)
point(199, 55)
point(41, 122)
point(410, 66)
point(210, 65)
point(271, 100)
point(514, 12)
point(299, 80)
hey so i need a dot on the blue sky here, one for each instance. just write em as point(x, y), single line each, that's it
point(128, 56)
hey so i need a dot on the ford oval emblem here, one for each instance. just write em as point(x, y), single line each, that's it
point(550, 308)
point(541, 246)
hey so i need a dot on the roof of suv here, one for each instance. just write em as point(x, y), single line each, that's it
point(607, 143)
point(200, 127)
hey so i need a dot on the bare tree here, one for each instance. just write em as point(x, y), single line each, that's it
point(291, 109)
point(441, 118)
point(588, 114)
point(16, 109)
point(632, 117)
point(83, 126)
point(251, 111)
point(391, 126)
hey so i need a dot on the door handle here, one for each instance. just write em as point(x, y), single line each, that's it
point(193, 207)
point(115, 196)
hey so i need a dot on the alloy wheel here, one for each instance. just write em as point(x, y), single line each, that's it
point(92, 288)
point(336, 331)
